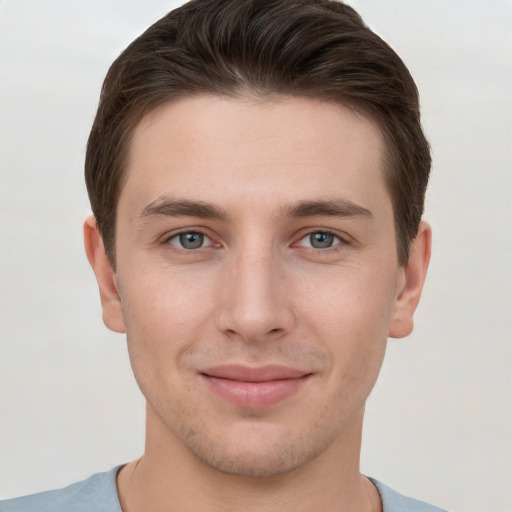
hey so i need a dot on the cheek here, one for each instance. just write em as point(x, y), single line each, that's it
point(163, 321)
point(351, 318)
point(164, 314)
point(358, 301)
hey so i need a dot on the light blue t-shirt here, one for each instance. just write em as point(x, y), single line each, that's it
point(99, 494)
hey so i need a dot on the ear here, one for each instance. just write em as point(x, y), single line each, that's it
point(110, 300)
point(412, 279)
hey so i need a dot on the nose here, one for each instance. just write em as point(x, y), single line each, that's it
point(255, 304)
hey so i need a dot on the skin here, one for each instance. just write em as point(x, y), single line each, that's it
point(277, 175)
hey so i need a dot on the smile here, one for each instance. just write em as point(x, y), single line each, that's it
point(254, 387)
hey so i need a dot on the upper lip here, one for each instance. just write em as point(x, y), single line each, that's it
point(254, 374)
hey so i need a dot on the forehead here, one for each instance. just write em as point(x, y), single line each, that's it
point(281, 147)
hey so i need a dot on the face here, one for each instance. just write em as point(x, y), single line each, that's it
point(257, 277)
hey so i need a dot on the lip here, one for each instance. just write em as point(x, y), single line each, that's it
point(251, 387)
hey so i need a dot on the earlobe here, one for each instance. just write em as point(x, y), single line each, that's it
point(413, 278)
point(105, 276)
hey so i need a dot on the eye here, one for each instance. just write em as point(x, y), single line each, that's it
point(190, 240)
point(320, 240)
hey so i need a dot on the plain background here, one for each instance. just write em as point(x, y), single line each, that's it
point(439, 421)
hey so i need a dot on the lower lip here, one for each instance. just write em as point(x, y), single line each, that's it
point(255, 394)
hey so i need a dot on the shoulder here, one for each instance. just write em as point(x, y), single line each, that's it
point(98, 493)
point(393, 501)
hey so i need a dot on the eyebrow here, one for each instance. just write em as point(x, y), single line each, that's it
point(168, 207)
point(330, 208)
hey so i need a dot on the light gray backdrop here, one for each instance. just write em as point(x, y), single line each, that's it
point(439, 422)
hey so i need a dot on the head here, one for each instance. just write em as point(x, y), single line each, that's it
point(259, 49)
point(257, 172)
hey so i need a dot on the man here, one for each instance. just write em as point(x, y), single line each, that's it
point(257, 172)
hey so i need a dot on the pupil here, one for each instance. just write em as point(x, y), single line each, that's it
point(191, 240)
point(321, 240)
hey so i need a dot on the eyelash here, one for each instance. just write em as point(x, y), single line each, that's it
point(337, 240)
point(178, 235)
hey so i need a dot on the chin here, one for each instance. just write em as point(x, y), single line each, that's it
point(258, 452)
point(252, 463)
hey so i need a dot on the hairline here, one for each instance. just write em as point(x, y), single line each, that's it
point(252, 94)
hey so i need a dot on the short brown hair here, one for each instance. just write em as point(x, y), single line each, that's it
point(312, 48)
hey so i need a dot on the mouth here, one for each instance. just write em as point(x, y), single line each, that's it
point(251, 387)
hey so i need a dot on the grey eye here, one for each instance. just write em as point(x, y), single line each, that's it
point(321, 240)
point(192, 240)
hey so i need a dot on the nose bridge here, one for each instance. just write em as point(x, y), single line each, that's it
point(254, 304)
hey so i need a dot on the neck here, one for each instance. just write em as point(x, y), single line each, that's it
point(168, 474)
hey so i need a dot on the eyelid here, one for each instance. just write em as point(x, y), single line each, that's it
point(166, 239)
point(343, 239)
